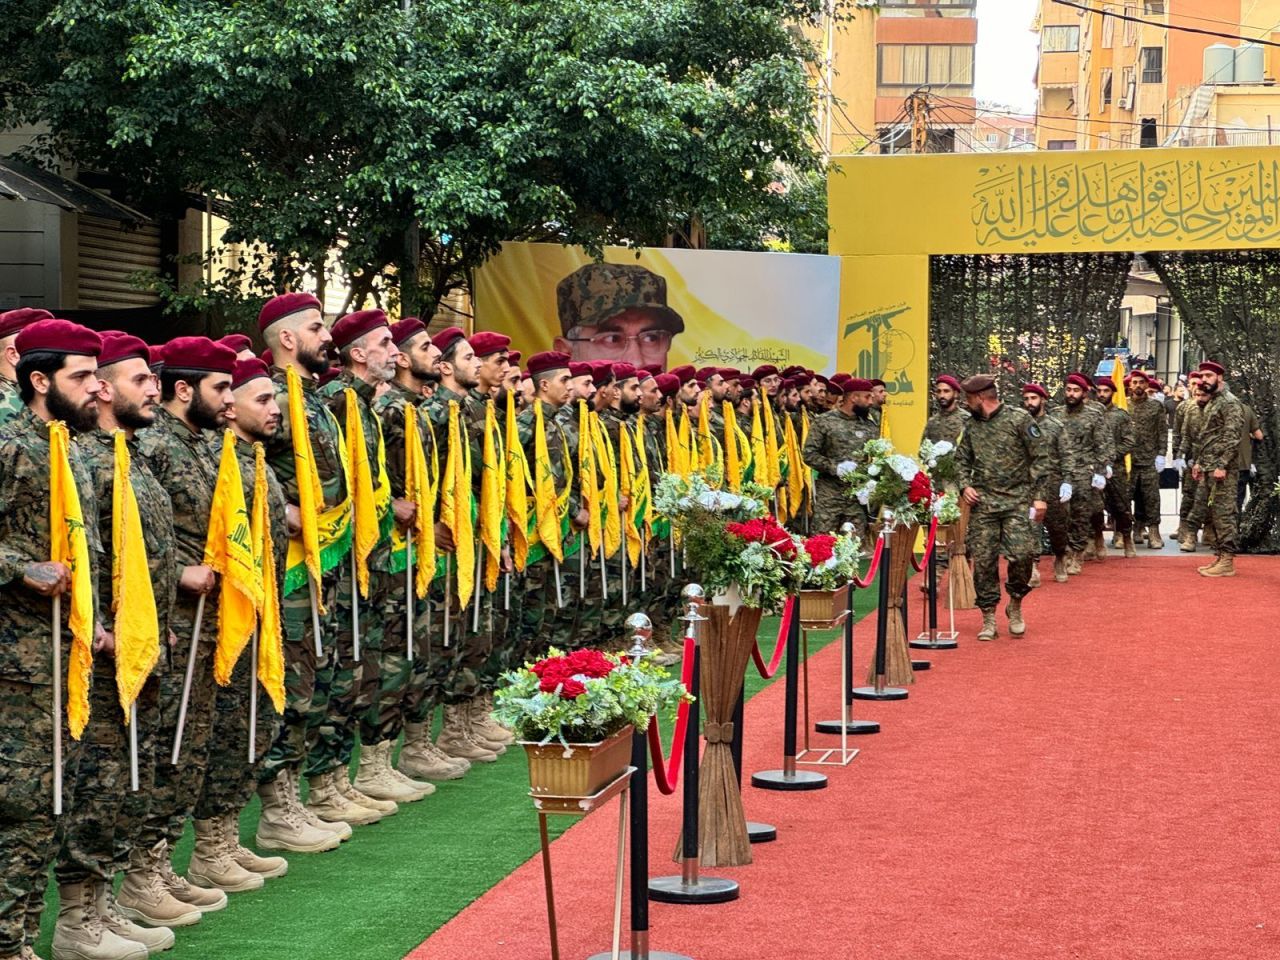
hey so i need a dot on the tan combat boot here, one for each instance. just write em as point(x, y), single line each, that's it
point(155, 939)
point(1154, 540)
point(282, 826)
point(338, 828)
point(328, 802)
point(1014, 612)
point(420, 757)
point(265, 867)
point(385, 807)
point(454, 739)
point(1100, 547)
point(80, 933)
point(1073, 564)
point(491, 728)
point(1034, 581)
point(421, 787)
point(1060, 569)
point(1223, 566)
point(143, 896)
point(374, 778)
point(988, 631)
point(1187, 541)
point(204, 899)
point(479, 727)
point(1130, 550)
point(212, 865)
point(1090, 551)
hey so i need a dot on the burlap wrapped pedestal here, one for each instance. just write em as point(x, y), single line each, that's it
point(959, 570)
point(897, 672)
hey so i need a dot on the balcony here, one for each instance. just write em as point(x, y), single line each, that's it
point(927, 8)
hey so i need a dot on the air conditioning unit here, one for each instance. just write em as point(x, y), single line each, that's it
point(1126, 101)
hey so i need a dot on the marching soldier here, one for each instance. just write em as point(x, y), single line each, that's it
point(1150, 441)
point(834, 446)
point(1186, 443)
point(1084, 437)
point(1220, 433)
point(1057, 518)
point(1116, 494)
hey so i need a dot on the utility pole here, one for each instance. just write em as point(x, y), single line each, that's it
point(917, 107)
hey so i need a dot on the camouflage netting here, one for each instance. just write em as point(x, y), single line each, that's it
point(1024, 318)
point(1230, 303)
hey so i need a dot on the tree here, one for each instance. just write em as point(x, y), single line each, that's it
point(414, 141)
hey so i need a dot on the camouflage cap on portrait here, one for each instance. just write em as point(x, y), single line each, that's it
point(594, 294)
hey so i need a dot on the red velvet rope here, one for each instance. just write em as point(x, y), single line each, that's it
point(919, 565)
point(770, 669)
point(666, 771)
point(866, 581)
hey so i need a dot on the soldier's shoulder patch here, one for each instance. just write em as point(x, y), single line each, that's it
point(1033, 431)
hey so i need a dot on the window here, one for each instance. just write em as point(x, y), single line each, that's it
point(1126, 89)
point(1062, 144)
point(1152, 64)
point(1059, 39)
point(1149, 138)
point(1108, 27)
point(1106, 88)
point(1153, 6)
point(915, 64)
point(1130, 27)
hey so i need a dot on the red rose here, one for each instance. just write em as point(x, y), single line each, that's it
point(820, 548)
point(920, 490)
point(572, 689)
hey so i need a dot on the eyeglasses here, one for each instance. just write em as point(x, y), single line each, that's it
point(613, 343)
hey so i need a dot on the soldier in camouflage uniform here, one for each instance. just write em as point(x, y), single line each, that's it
point(950, 419)
point(106, 819)
point(416, 364)
point(1150, 441)
point(1057, 518)
point(11, 323)
point(1117, 494)
point(616, 418)
point(56, 373)
point(196, 394)
point(1220, 431)
point(835, 443)
point(1088, 451)
point(1186, 429)
point(615, 312)
point(1004, 476)
point(580, 577)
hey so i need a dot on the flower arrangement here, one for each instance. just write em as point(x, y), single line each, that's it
point(829, 561)
point(939, 460)
point(583, 697)
point(883, 480)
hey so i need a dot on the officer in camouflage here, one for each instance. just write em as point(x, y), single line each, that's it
point(1057, 518)
point(1116, 494)
point(1088, 452)
point(834, 445)
point(11, 323)
point(1222, 427)
point(950, 419)
point(1004, 476)
point(1186, 442)
point(1150, 441)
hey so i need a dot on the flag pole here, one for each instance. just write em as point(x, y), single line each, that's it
point(475, 594)
point(604, 575)
point(133, 747)
point(186, 684)
point(624, 557)
point(57, 706)
point(253, 695)
point(559, 594)
point(582, 566)
point(448, 601)
point(506, 595)
point(355, 606)
point(315, 616)
point(410, 599)
point(644, 550)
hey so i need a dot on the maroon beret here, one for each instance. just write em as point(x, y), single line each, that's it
point(12, 321)
point(355, 325)
point(246, 370)
point(1140, 375)
point(601, 372)
point(978, 383)
point(877, 382)
point(1080, 380)
point(668, 383)
point(198, 355)
point(155, 358)
point(286, 305)
point(1210, 366)
point(447, 338)
point(788, 383)
point(579, 368)
point(949, 380)
point(513, 357)
point(122, 346)
point(747, 383)
point(824, 381)
point(486, 343)
point(684, 373)
point(550, 360)
point(653, 369)
point(856, 385)
point(58, 336)
point(794, 370)
point(237, 342)
point(730, 373)
point(705, 374)
point(1036, 389)
point(764, 370)
point(268, 357)
point(331, 374)
point(526, 376)
point(842, 379)
point(624, 371)
point(406, 328)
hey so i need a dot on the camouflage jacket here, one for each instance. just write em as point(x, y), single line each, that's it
point(335, 394)
point(561, 455)
point(1150, 431)
point(1052, 439)
point(156, 511)
point(10, 401)
point(326, 442)
point(1220, 432)
point(471, 423)
point(1186, 429)
point(185, 463)
point(946, 426)
point(1004, 459)
point(1086, 444)
point(390, 408)
point(835, 437)
point(25, 634)
point(1120, 429)
point(655, 443)
point(275, 505)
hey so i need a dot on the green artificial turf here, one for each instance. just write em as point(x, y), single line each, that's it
point(394, 883)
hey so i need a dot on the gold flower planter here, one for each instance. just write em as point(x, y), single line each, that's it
point(581, 770)
point(823, 608)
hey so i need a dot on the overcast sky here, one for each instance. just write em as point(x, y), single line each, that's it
point(1006, 57)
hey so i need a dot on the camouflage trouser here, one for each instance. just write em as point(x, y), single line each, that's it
point(303, 697)
point(1085, 502)
point(996, 533)
point(593, 624)
point(105, 821)
point(1057, 523)
point(331, 722)
point(833, 508)
point(230, 780)
point(500, 618)
point(655, 600)
point(561, 626)
point(1115, 498)
point(178, 787)
point(1215, 505)
point(28, 828)
point(467, 648)
point(1190, 486)
point(387, 668)
point(432, 663)
point(1146, 495)
point(537, 608)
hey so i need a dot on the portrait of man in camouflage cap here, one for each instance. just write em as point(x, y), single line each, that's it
point(616, 312)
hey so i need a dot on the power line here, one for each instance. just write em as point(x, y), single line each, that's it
point(1166, 26)
point(1190, 16)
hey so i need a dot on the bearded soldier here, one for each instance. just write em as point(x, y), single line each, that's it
point(1057, 518)
point(1150, 440)
point(1116, 493)
point(1087, 451)
point(950, 419)
point(1220, 433)
point(834, 446)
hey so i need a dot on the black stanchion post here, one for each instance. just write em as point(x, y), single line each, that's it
point(689, 887)
point(879, 691)
point(756, 832)
point(789, 778)
point(930, 640)
point(853, 727)
point(906, 618)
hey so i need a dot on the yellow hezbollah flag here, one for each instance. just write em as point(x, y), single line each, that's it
point(732, 453)
point(612, 531)
point(688, 443)
point(706, 445)
point(517, 490)
point(493, 483)
point(419, 490)
point(270, 636)
point(675, 453)
point(795, 469)
point(771, 453)
point(362, 495)
point(1121, 399)
point(630, 487)
point(455, 506)
point(69, 546)
point(133, 602)
point(228, 549)
point(546, 507)
point(310, 493)
point(758, 455)
point(588, 485)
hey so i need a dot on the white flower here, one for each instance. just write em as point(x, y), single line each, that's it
point(942, 448)
point(874, 470)
point(904, 467)
point(718, 501)
point(864, 495)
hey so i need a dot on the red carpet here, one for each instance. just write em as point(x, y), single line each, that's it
point(1103, 788)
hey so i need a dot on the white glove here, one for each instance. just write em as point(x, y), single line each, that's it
point(1064, 493)
point(1253, 470)
point(844, 469)
point(1031, 514)
point(1159, 464)
point(1099, 482)
point(1108, 471)
point(1179, 464)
